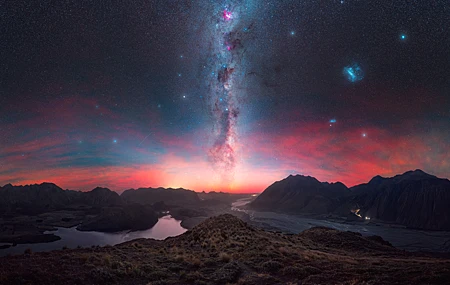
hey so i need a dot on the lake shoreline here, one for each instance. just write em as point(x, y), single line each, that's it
point(72, 238)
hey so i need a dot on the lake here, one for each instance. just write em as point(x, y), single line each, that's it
point(71, 237)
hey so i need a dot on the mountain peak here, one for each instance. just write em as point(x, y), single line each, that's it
point(416, 174)
point(101, 189)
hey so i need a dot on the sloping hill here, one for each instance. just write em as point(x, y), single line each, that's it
point(301, 194)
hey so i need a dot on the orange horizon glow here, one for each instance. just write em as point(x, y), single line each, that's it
point(328, 153)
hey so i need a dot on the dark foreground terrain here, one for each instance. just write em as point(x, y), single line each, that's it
point(225, 250)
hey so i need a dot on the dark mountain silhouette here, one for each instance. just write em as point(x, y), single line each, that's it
point(99, 209)
point(37, 197)
point(101, 197)
point(301, 194)
point(414, 199)
point(48, 196)
point(149, 196)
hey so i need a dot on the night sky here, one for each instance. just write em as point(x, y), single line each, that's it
point(222, 95)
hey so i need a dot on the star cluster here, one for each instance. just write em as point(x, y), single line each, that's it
point(222, 95)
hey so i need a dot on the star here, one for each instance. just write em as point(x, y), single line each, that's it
point(364, 135)
point(403, 37)
point(184, 96)
point(114, 141)
point(292, 33)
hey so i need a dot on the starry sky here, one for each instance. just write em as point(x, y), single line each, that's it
point(222, 95)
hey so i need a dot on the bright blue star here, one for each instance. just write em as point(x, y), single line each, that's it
point(292, 33)
point(114, 141)
point(332, 121)
point(353, 72)
point(403, 37)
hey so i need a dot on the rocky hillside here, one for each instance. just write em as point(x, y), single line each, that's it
point(301, 194)
point(225, 250)
point(169, 196)
point(415, 199)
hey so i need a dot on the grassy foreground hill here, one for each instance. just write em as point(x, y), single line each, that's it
point(225, 250)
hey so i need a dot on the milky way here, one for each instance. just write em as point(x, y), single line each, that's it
point(227, 36)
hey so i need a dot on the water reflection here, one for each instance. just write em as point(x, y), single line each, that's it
point(71, 237)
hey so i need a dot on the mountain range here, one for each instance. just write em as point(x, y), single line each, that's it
point(48, 196)
point(28, 212)
point(414, 199)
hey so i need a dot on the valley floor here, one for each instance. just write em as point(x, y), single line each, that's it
point(400, 237)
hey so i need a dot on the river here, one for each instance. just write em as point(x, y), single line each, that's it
point(400, 237)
